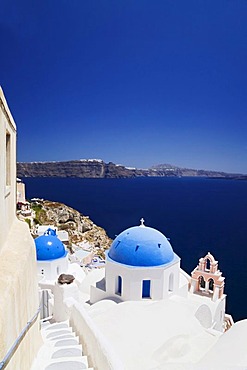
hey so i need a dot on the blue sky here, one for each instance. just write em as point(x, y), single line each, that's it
point(133, 82)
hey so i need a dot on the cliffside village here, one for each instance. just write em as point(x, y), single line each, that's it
point(85, 250)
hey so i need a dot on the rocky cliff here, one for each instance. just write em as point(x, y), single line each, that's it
point(169, 170)
point(79, 227)
point(81, 168)
point(93, 168)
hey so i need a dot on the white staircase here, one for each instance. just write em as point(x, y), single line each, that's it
point(61, 349)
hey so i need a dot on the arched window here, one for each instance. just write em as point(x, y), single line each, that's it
point(171, 278)
point(201, 283)
point(208, 263)
point(211, 285)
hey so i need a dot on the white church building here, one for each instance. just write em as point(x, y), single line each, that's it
point(51, 255)
point(141, 266)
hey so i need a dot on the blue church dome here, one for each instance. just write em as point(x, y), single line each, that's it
point(141, 246)
point(49, 247)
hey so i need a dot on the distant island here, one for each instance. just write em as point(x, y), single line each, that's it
point(97, 168)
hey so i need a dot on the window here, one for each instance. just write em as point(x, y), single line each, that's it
point(201, 283)
point(146, 284)
point(211, 285)
point(208, 263)
point(8, 159)
point(119, 285)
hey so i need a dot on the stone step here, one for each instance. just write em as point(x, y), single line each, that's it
point(65, 342)
point(55, 333)
point(56, 325)
point(75, 363)
point(72, 351)
point(63, 336)
point(47, 354)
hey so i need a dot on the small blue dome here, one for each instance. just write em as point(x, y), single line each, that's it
point(49, 247)
point(141, 246)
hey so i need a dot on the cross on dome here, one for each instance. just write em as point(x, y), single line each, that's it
point(142, 222)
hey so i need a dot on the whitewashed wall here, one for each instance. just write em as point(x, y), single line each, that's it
point(95, 345)
point(18, 271)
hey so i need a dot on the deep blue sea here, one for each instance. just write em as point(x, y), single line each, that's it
point(199, 215)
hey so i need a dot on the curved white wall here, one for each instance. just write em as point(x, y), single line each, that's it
point(94, 343)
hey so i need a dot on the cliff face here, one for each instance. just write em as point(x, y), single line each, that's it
point(93, 168)
point(80, 168)
point(168, 170)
